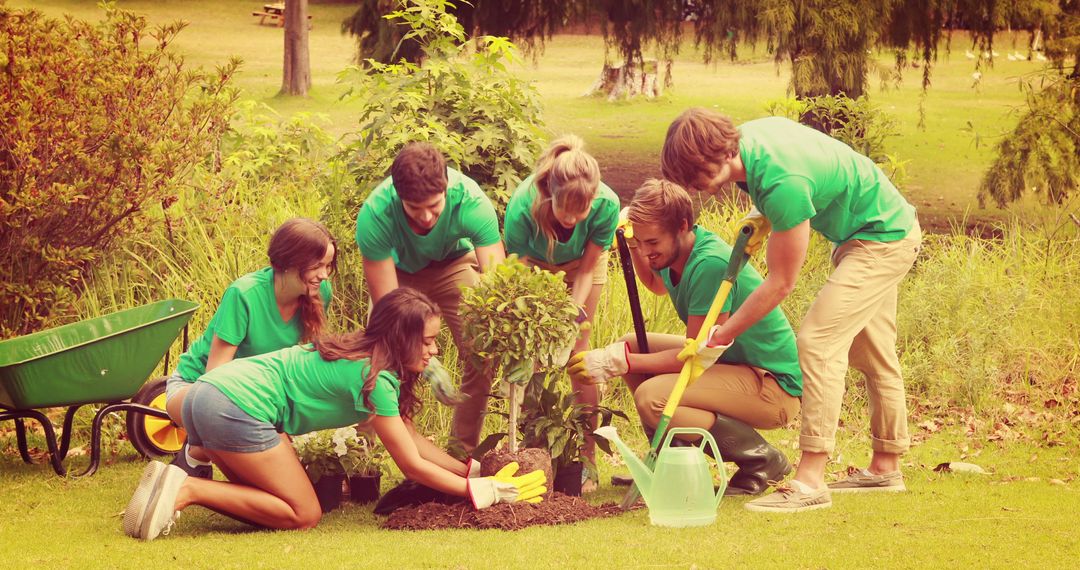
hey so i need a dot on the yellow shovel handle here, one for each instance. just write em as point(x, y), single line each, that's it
point(703, 333)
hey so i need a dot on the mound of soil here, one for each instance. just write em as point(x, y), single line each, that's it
point(528, 460)
point(556, 509)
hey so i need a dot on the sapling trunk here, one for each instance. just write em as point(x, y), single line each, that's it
point(514, 409)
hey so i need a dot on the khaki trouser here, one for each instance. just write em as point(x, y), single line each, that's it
point(853, 320)
point(571, 268)
point(440, 281)
point(748, 394)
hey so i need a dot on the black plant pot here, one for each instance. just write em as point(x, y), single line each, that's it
point(328, 489)
point(568, 479)
point(364, 488)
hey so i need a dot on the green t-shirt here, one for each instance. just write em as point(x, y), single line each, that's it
point(769, 343)
point(523, 235)
point(247, 318)
point(298, 392)
point(795, 173)
point(467, 221)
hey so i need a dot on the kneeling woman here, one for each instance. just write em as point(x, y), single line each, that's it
point(236, 411)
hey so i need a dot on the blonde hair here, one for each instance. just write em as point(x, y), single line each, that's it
point(661, 203)
point(695, 140)
point(567, 174)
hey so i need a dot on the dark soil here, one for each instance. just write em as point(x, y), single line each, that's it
point(528, 460)
point(556, 509)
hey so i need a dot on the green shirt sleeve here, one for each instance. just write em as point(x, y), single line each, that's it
point(603, 230)
point(479, 217)
point(704, 283)
point(517, 230)
point(230, 321)
point(373, 233)
point(384, 397)
point(787, 202)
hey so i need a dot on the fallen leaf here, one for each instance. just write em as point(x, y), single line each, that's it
point(1032, 479)
point(1056, 482)
point(930, 426)
point(959, 467)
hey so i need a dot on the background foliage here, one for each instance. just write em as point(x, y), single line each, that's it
point(97, 123)
point(462, 98)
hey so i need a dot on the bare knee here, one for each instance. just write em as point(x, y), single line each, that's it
point(647, 405)
point(306, 517)
point(631, 339)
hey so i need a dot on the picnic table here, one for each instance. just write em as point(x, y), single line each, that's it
point(275, 13)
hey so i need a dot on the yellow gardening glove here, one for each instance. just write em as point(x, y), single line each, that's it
point(701, 356)
point(627, 228)
point(762, 227)
point(599, 364)
point(504, 487)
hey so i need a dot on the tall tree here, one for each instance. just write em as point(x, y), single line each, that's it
point(296, 77)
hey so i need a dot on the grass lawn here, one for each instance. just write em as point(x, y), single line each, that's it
point(944, 165)
point(1023, 512)
point(1012, 517)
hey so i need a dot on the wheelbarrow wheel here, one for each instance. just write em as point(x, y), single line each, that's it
point(153, 437)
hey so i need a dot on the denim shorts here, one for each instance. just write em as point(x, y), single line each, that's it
point(173, 384)
point(213, 421)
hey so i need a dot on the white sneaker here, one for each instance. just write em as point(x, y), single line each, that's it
point(160, 512)
point(136, 507)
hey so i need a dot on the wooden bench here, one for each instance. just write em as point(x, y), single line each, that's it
point(276, 18)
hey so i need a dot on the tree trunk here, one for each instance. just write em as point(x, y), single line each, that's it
point(515, 408)
point(296, 79)
point(620, 82)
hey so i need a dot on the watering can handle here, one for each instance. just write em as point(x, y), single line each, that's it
point(706, 439)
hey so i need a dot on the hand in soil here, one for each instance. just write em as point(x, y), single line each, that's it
point(504, 487)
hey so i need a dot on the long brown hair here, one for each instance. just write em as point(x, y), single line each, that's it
point(298, 244)
point(393, 339)
point(568, 174)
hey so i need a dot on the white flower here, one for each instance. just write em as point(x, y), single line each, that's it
point(976, 76)
point(341, 439)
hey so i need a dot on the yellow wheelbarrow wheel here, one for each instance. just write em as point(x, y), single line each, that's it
point(150, 436)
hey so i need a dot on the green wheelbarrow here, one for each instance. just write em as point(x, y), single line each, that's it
point(105, 360)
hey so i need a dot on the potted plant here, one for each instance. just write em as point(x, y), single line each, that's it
point(553, 420)
point(328, 456)
point(363, 467)
point(521, 320)
point(553, 417)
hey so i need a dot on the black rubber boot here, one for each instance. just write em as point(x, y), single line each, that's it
point(758, 461)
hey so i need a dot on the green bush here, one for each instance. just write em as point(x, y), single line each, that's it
point(97, 123)
point(462, 98)
point(855, 122)
point(266, 171)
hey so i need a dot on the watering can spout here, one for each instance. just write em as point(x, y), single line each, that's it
point(638, 470)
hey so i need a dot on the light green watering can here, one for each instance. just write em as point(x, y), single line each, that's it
point(679, 491)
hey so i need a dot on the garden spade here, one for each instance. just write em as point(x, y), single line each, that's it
point(623, 233)
point(441, 384)
point(753, 231)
